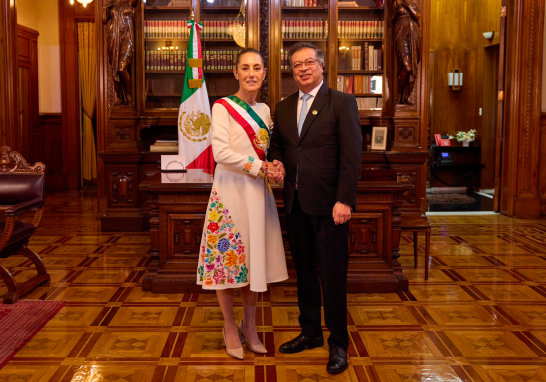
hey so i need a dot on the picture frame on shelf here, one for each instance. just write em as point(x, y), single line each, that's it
point(379, 138)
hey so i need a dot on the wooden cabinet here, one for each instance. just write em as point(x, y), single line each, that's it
point(185, 232)
point(177, 216)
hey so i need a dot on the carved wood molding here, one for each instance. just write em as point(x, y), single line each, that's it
point(531, 92)
point(9, 111)
point(521, 133)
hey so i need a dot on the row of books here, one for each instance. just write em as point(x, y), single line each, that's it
point(173, 59)
point(360, 29)
point(219, 59)
point(304, 29)
point(369, 103)
point(164, 146)
point(300, 3)
point(178, 29)
point(165, 59)
point(167, 29)
point(218, 28)
point(372, 59)
point(361, 84)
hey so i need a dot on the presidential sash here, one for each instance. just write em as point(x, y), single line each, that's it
point(250, 121)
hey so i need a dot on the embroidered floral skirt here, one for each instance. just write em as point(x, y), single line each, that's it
point(222, 259)
point(242, 241)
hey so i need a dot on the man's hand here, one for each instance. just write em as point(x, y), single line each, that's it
point(277, 173)
point(341, 213)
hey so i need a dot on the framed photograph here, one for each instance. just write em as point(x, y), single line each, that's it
point(379, 138)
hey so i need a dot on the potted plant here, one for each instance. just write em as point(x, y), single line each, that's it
point(466, 137)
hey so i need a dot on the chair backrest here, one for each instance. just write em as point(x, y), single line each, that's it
point(19, 181)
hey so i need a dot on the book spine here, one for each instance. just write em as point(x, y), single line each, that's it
point(379, 59)
point(366, 53)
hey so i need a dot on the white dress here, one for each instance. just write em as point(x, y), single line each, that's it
point(241, 241)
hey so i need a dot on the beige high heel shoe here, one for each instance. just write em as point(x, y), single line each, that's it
point(238, 353)
point(260, 348)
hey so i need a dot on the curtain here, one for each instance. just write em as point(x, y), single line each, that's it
point(88, 74)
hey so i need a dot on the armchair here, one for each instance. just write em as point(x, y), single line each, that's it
point(21, 190)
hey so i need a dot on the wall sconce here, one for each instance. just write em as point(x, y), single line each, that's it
point(455, 79)
point(83, 2)
point(489, 35)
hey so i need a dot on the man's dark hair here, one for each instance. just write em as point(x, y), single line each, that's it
point(304, 45)
point(248, 50)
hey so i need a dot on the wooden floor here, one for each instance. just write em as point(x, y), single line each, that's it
point(480, 317)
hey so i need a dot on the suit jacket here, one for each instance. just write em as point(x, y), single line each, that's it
point(328, 152)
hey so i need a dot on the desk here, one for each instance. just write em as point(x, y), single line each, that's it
point(179, 202)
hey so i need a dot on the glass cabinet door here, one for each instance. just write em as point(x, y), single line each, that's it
point(165, 43)
point(302, 20)
point(360, 53)
point(219, 47)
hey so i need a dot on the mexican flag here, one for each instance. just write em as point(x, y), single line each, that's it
point(194, 143)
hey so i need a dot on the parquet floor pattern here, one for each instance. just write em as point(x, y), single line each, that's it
point(481, 316)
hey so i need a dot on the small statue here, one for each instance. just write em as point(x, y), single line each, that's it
point(118, 15)
point(407, 41)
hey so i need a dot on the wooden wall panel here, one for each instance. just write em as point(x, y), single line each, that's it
point(8, 75)
point(29, 120)
point(457, 42)
point(51, 131)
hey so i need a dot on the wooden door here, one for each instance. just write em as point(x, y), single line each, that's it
point(27, 80)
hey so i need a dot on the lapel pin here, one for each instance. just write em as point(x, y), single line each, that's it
point(315, 112)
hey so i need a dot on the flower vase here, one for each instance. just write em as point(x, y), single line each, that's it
point(466, 143)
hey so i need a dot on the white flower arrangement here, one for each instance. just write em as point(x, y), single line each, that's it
point(469, 136)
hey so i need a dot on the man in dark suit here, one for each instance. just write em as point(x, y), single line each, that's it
point(318, 139)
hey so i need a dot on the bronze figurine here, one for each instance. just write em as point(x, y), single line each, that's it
point(118, 15)
point(407, 40)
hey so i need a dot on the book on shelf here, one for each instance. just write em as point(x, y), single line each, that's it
point(165, 29)
point(315, 29)
point(165, 59)
point(160, 142)
point(369, 103)
point(164, 149)
point(300, 3)
point(359, 84)
point(347, 4)
point(360, 29)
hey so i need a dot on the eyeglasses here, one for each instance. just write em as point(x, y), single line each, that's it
point(298, 64)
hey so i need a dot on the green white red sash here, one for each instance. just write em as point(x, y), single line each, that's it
point(250, 121)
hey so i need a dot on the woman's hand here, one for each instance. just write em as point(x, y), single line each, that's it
point(276, 171)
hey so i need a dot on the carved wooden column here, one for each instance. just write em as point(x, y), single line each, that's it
point(9, 108)
point(520, 163)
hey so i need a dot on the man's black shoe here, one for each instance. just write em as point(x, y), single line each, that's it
point(301, 343)
point(338, 361)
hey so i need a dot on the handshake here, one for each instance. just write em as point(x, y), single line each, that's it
point(274, 170)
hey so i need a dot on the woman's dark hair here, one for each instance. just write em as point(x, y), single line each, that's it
point(248, 50)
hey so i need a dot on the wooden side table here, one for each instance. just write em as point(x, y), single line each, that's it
point(418, 224)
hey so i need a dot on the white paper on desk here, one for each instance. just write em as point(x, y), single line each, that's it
point(172, 162)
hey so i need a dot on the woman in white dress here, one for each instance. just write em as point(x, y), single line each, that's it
point(242, 245)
